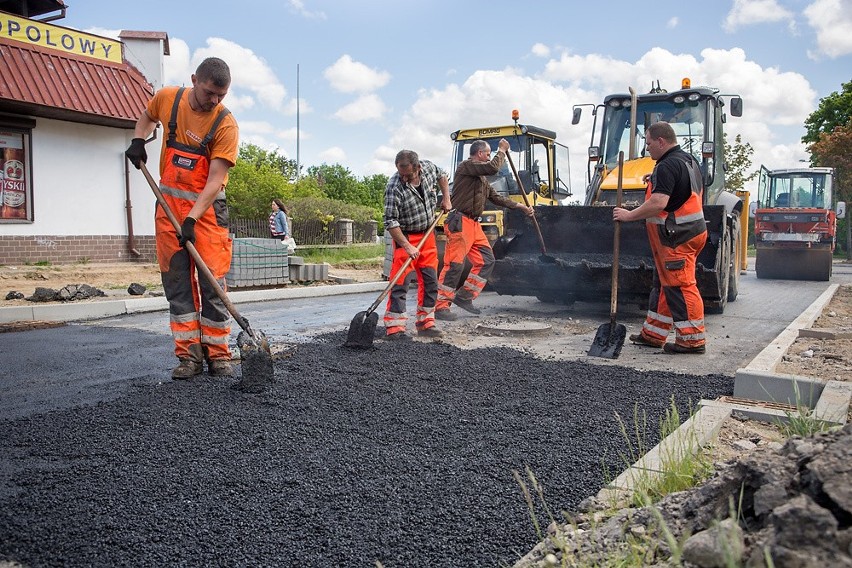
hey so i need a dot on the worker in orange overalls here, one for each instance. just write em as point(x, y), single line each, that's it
point(201, 145)
point(465, 238)
point(677, 233)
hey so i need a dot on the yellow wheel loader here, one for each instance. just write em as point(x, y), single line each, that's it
point(580, 237)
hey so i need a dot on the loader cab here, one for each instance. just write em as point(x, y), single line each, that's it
point(541, 162)
point(696, 116)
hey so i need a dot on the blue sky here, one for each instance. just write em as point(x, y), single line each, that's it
point(376, 76)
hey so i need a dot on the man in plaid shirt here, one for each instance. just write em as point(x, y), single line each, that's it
point(411, 198)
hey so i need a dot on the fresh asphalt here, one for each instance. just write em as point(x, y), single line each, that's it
point(402, 453)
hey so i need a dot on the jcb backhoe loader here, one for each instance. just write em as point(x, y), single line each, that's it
point(580, 237)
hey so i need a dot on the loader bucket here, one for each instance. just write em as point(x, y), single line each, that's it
point(580, 239)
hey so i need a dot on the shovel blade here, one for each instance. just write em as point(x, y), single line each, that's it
point(608, 341)
point(362, 329)
point(255, 362)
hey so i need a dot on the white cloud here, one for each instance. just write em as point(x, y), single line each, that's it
point(749, 12)
point(672, 23)
point(832, 22)
point(774, 102)
point(298, 7)
point(366, 107)
point(348, 76)
point(333, 155)
point(540, 50)
point(248, 70)
point(304, 107)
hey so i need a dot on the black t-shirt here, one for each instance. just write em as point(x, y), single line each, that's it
point(671, 177)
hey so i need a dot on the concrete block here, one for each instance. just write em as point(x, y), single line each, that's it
point(16, 313)
point(775, 387)
point(79, 311)
point(833, 404)
point(825, 333)
point(258, 262)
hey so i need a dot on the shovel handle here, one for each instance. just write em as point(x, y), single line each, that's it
point(613, 306)
point(527, 203)
point(404, 266)
point(193, 252)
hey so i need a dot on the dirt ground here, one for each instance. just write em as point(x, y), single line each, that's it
point(112, 278)
point(828, 359)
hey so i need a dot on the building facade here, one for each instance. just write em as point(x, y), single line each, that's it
point(68, 103)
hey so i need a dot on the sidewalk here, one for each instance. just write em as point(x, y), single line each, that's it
point(95, 309)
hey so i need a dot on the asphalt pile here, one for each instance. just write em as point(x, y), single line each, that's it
point(401, 454)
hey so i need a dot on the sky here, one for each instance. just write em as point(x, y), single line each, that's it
point(377, 76)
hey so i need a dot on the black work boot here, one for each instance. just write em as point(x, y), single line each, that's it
point(467, 305)
point(189, 366)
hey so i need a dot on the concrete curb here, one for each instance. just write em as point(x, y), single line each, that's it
point(756, 383)
point(88, 310)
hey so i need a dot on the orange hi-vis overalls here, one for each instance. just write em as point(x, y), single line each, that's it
point(198, 318)
point(676, 239)
point(465, 240)
point(426, 266)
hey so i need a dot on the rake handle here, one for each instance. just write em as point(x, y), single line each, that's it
point(527, 203)
point(193, 252)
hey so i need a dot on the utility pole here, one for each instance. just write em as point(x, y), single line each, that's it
point(298, 167)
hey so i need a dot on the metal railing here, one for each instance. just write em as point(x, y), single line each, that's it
point(308, 232)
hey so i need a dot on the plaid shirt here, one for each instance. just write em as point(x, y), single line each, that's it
point(404, 208)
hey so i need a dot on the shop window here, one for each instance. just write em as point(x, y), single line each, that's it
point(16, 190)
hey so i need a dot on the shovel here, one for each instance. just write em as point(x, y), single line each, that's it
point(544, 257)
point(362, 329)
point(610, 336)
point(255, 356)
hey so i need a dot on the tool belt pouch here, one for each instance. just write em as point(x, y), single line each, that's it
point(454, 222)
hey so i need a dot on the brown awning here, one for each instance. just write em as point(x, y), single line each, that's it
point(50, 84)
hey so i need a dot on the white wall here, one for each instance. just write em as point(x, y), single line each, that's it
point(79, 182)
point(147, 56)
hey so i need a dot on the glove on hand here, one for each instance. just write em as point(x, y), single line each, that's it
point(136, 152)
point(187, 232)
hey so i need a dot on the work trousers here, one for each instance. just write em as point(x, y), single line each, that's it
point(675, 300)
point(465, 240)
point(199, 320)
point(426, 268)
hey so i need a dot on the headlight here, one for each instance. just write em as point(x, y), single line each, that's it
point(678, 100)
point(489, 218)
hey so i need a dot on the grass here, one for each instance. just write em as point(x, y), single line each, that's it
point(802, 421)
point(682, 465)
point(361, 256)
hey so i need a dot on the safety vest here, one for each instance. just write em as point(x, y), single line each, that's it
point(187, 167)
point(687, 221)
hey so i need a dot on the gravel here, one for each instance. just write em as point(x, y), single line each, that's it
point(401, 454)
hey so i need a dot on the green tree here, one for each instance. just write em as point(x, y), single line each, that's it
point(834, 110)
point(737, 163)
point(252, 187)
point(832, 150)
point(337, 182)
point(256, 155)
